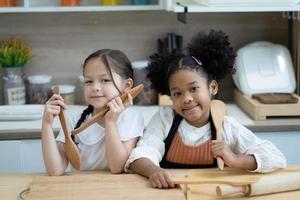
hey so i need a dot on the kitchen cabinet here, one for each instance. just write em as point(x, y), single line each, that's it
point(10, 156)
point(25, 156)
point(28, 6)
point(191, 6)
point(169, 5)
point(21, 156)
point(31, 156)
point(287, 142)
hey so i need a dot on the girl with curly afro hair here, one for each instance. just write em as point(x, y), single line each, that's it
point(184, 136)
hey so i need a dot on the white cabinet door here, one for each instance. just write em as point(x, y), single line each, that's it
point(32, 156)
point(10, 156)
point(287, 142)
point(22, 156)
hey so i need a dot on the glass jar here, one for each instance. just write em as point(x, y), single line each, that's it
point(80, 91)
point(13, 86)
point(39, 89)
point(110, 2)
point(68, 93)
point(149, 95)
point(70, 2)
point(8, 3)
point(140, 2)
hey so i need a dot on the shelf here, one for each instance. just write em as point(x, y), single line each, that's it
point(79, 9)
point(194, 7)
point(36, 6)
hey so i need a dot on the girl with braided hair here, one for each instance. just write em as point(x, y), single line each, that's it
point(108, 143)
point(183, 136)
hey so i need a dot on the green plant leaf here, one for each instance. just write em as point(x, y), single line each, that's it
point(14, 52)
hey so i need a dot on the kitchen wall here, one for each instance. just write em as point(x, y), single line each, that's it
point(61, 41)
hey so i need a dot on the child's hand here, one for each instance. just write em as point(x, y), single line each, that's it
point(116, 107)
point(221, 149)
point(53, 107)
point(161, 179)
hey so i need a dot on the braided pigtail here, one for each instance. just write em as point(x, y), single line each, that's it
point(82, 118)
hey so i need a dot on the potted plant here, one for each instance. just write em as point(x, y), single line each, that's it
point(14, 54)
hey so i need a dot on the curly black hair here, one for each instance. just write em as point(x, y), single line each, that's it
point(158, 69)
point(211, 54)
point(215, 52)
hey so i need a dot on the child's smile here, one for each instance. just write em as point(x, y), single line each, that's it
point(191, 96)
point(96, 97)
point(99, 87)
point(191, 109)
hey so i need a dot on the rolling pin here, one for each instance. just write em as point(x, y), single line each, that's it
point(265, 185)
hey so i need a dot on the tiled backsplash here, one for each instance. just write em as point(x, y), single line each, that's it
point(61, 41)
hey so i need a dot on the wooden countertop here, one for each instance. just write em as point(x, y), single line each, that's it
point(10, 130)
point(84, 185)
point(104, 185)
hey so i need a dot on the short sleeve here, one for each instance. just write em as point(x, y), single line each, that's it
point(131, 124)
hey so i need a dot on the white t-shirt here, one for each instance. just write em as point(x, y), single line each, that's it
point(239, 138)
point(91, 141)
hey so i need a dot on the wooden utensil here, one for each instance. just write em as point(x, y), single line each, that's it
point(134, 92)
point(191, 180)
point(218, 111)
point(229, 176)
point(71, 149)
point(265, 185)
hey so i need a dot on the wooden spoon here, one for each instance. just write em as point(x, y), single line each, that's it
point(134, 92)
point(218, 111)
point(71, 149)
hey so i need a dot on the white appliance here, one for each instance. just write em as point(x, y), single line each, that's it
point(263, 67)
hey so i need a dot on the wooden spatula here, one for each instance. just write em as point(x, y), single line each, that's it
point(134, 92)
point(218, 111)
point(71, 149)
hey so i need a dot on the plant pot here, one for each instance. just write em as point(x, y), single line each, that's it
point(12, 72)
point(13, 85)
point(69, 2)
point(8, 3)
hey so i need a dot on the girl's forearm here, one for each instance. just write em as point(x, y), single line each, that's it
point(144, 167)
point(246, 162)
point(55, 162)
point(116, 152)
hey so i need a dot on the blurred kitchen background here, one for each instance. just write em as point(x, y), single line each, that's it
point(62, 37)
point(61, 41)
